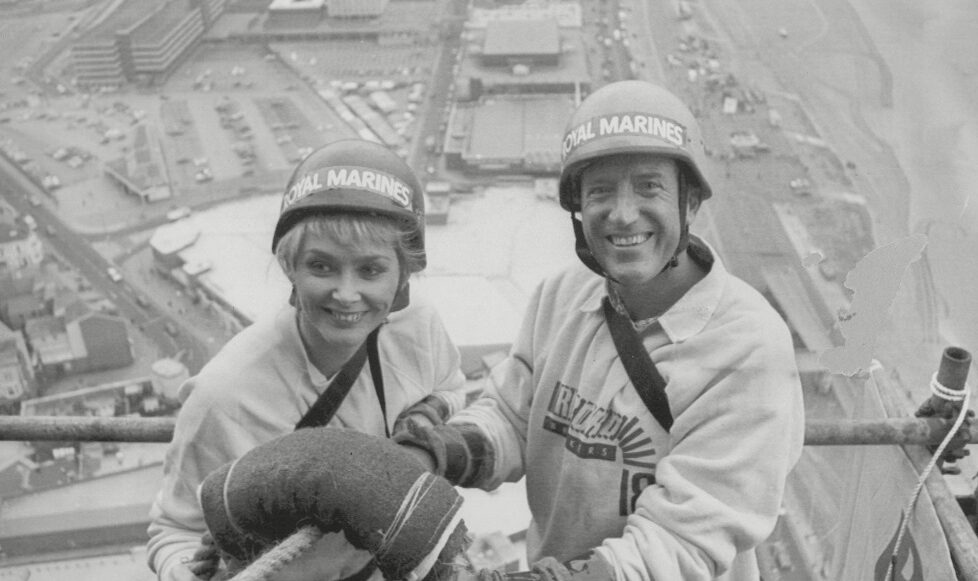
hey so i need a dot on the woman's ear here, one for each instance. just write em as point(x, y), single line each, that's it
point(293, 300)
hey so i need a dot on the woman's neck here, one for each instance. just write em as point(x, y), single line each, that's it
point(328, 359)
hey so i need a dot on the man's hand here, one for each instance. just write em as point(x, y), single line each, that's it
point(206, 560)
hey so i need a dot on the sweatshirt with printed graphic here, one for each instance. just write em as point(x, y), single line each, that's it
point(601, 472)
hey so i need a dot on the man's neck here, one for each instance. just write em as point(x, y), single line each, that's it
point(655, 297)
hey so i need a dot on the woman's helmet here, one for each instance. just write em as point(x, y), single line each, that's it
point(631, 117)
point(354, 176)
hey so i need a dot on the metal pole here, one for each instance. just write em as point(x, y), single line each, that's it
point(85, 429)
point(891, 431)
point(894, 431)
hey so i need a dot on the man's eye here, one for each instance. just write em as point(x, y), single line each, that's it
point(648, 186)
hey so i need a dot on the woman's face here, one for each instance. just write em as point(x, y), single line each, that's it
point(344, 290)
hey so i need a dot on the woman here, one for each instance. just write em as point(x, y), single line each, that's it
point(346, 352)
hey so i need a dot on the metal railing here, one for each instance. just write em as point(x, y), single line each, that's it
point(913, 434)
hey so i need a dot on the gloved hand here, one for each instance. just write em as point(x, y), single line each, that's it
point(431, 410)
point(589, 567)
point(337, 480)
point(459, 452)
point(206, 560)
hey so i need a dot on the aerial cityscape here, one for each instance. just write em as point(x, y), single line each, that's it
point(145, 145)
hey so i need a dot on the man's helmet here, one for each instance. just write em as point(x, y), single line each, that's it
point(354, 176)
point(631, 117)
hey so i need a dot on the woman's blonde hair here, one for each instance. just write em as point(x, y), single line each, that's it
point(354, 229)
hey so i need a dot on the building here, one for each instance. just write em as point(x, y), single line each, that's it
point(295, 13)
point(515, 134)
point(141, 41)
point(19, 245)
point(79, 340)
point(16, 369)
point(142, 172)
point(522, 56)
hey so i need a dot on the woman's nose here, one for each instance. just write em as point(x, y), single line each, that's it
point(346, 290)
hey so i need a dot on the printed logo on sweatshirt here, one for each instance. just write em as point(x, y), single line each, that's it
point(594, 433)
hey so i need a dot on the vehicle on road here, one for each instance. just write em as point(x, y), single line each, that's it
point(178, 213)
point(114, 274)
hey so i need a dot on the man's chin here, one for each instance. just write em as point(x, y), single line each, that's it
point(637, 275)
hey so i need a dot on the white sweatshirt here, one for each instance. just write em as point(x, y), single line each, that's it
point(600, 470)
point(256, 389)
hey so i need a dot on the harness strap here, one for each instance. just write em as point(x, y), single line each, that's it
point(648, 382)
point(322, 411)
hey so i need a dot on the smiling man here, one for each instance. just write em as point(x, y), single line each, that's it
point(651, 399)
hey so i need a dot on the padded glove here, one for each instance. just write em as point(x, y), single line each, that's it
point(369, 488)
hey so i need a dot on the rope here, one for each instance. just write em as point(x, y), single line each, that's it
point(951, 395)
point(411, 501)
point(280, 555)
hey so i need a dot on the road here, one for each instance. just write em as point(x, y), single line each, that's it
point(78, 252)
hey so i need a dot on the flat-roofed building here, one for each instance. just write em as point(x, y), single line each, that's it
point(528, 42)
point(356, 8)
point(141, 40)
point(296, 13)
point(508, 134)
point(523, 56)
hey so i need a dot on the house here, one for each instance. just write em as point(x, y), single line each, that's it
point(79, 340)
point(16, 370)
point(19, 245)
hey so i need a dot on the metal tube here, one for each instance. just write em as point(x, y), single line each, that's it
point(891, 431)
point(894, 431)
point(85, 429)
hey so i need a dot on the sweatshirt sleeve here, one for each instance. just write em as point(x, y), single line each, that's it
point(502, 413)
point(718, 491)
point(449, 379)
point(204, 439)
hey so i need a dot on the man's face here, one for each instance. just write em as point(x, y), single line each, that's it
point(630, 214)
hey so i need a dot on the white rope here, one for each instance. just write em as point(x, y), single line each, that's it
point(946, 393)
point(280, 555)
point(951, 395)
point(411, 502)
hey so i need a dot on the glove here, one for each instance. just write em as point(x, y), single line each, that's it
point(589, 567)
point(206, 560)
point(431, 410)
point(336, 480)
point(459, 452)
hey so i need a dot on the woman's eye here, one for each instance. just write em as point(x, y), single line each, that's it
point(372, 270)
point(318, 266)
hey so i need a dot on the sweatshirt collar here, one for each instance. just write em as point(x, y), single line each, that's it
point(694, 309)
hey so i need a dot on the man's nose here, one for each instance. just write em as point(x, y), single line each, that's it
point(624, 209)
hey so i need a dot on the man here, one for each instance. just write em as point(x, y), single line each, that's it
point(626, 480)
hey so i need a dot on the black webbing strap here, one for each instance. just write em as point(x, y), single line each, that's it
point(322, 411)
point(641, 370)
point(377, 375)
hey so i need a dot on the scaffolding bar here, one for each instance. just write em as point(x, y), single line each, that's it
point(891, 431)
point(894, 431)
point(85, 429)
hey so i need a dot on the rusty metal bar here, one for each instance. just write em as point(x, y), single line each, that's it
point(895, 431)
point(85, 429)
point(891, 431)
